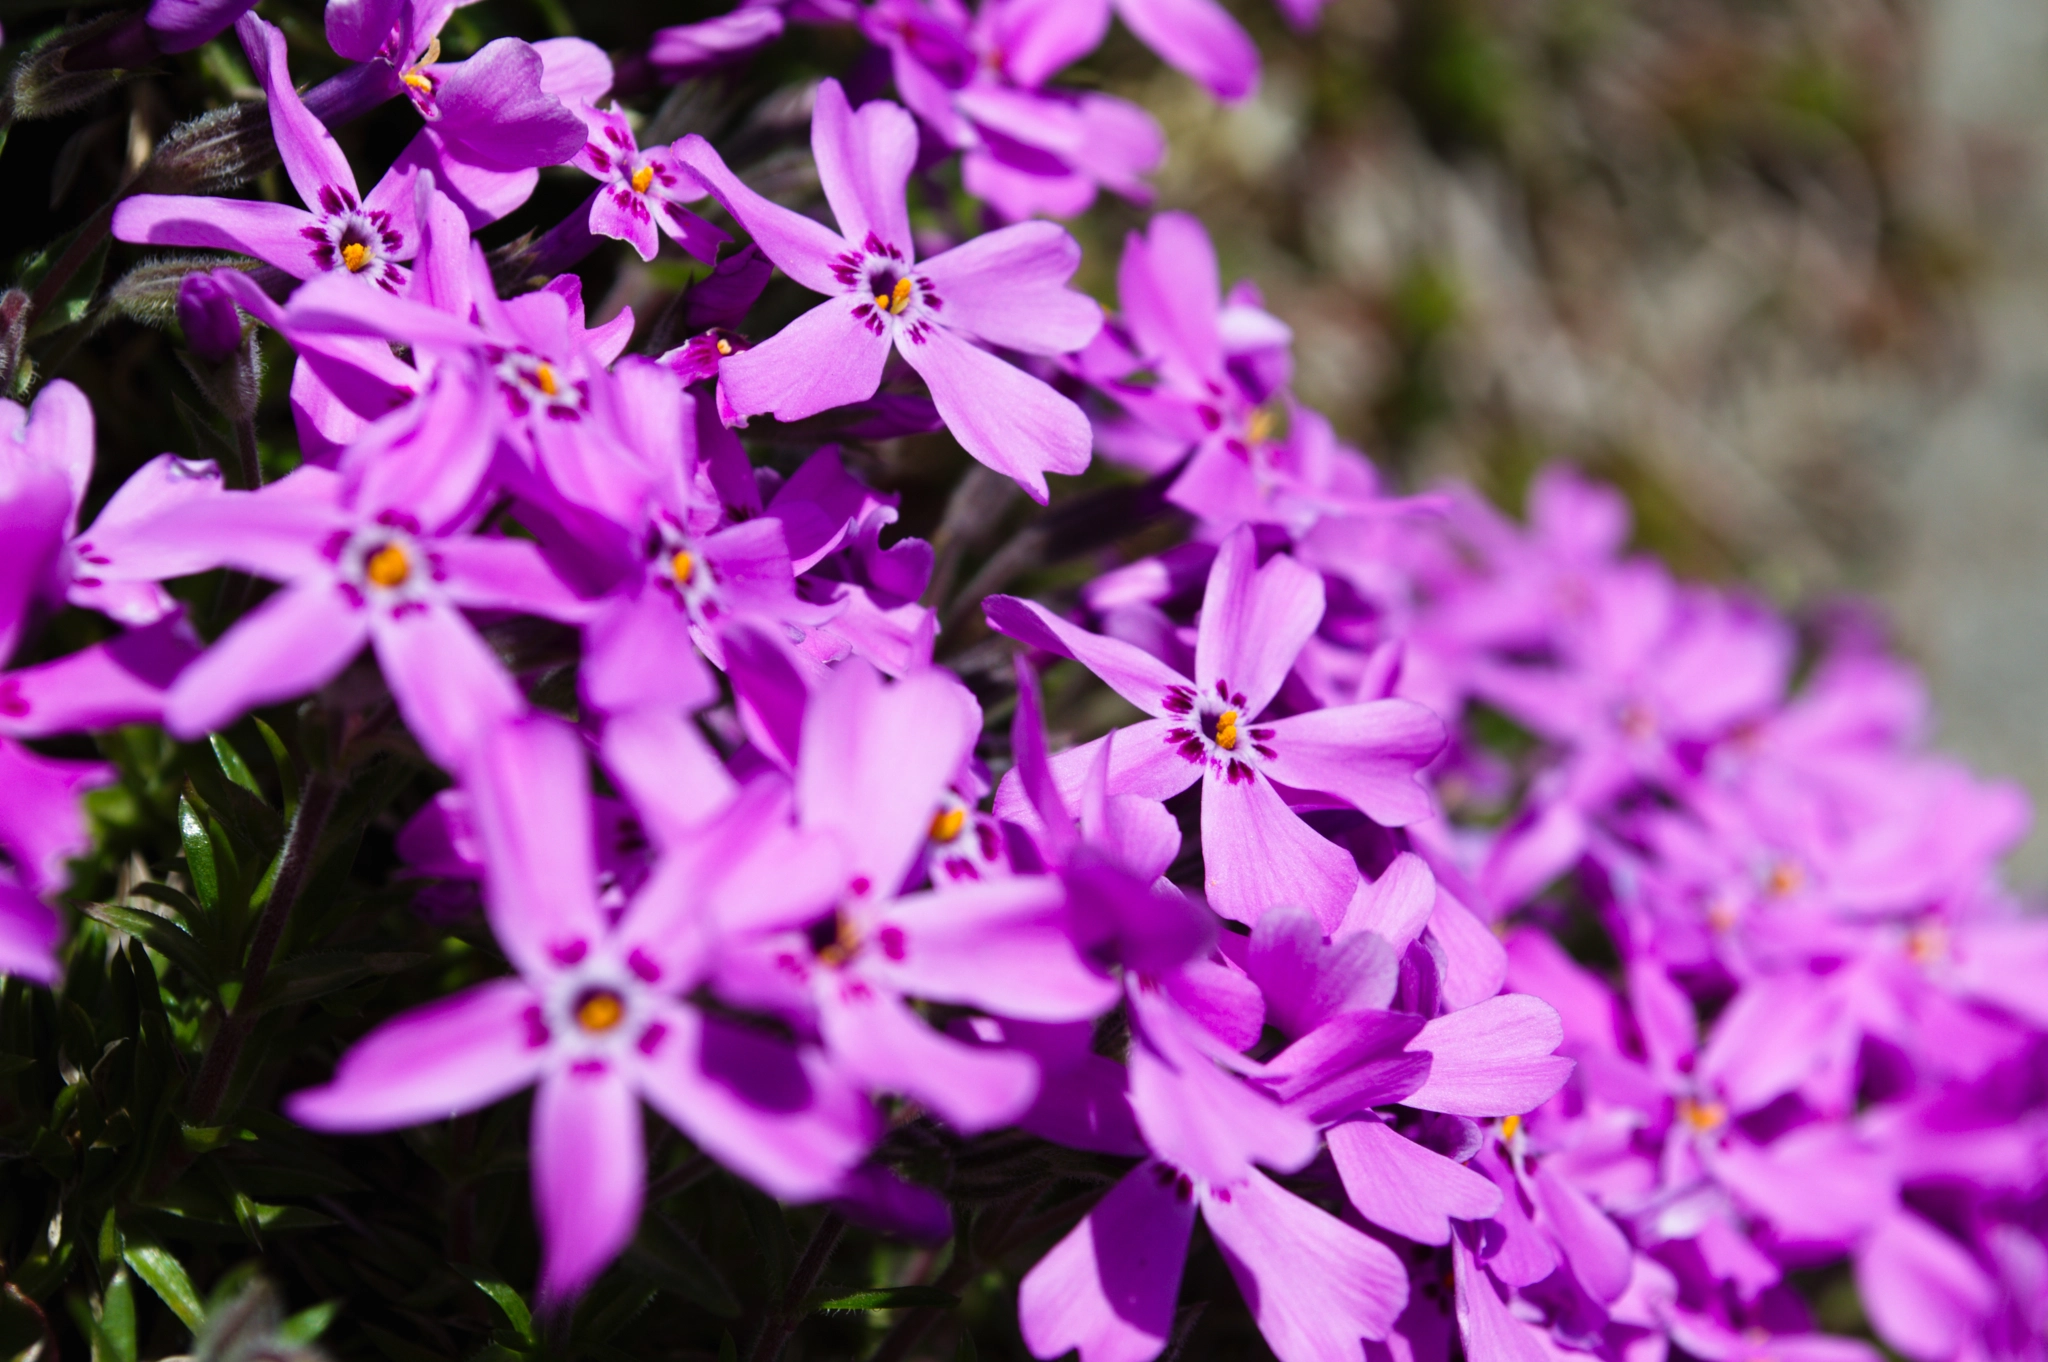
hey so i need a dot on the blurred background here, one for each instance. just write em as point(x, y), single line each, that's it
point(1779, 268)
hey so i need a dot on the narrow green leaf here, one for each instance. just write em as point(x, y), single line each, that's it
point(287, 772)
point(161, 935)
point(508, 1301)
point(199, 855)
point(232, 765)
point(110, 1243)
point(166, 1276)
point(728, 1351)
point(965, 1351)
point(888, 1298)
point(306, 1327)
point(117, 1319)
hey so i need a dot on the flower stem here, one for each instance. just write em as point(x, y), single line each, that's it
point(768, 1344)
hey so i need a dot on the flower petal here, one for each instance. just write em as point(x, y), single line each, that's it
point(451, 1056)
point(1494, 1059)
point(1130, 671)
point(1401, 1186)
point(1370, 755)
point(826, 358)
point(530, 800)
point(1110, 1286)
point(29, 931)
point(864, 161)
point(292, 644)
point(1258, 854)
point(1014, 423)
point(449, 685)
point(1254, 621)
point(801, 247)
point(589, 1173)
point(272, 232)
point(312, 158)
point(1001, 945)
point(878, 1042)
point(1009, 288)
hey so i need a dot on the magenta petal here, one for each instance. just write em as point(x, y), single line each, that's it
point(1474, 962)
point(1009, 288)
point(1397, 905)
point(864, 160)
point(1204, 1120)
point(1924, 1293)
point(1130, 671)
point(121, 681)
point(530, 799)
point(448, 683)
point(278, 532)
point(876, 758)
point(1168, 283)
point(312, 158)
point(1316, 1286)
point(1350, 1063)
point(29, 932)
point(826, 358)
point(1600, 1255)
point(1014, 423)
point(664, 765)
point(1254, 623)
point(1308, 981)
point(1488, 1329)
point(801, 248)
point(622, 215)
point(1257, 853)
point(357, 28)
point(1370, 755)
point(1109, 1287)
point(34, 508)
point(882, 1044)
point(639, 652)
point(506, 574)
point(589, 1173)
point(292, 644)
point(1003, 946)
point(42, 823)
point(781, 1118)
point(1199, 38)
point(1401, 1186)
point(452, 1056)
point(272, 232)
point(1494, 1059)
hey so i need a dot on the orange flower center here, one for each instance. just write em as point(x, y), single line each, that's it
point(642, 177)
point(388, 567)
point(355, 255)
point(946, 824)
point(600, 1010)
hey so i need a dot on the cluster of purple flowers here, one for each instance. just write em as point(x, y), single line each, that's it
point(1431, 744)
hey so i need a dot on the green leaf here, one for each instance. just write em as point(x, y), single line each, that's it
point(161, 935)
point(232, 765)
point(117, 1319)
point(306, 1327)
point(508, 1301)
point(965, 1351)
point(728, 1351)
point(165, 1275)
point(287, 772)
point(887, 1298)
point(199, 855)
point(671, 1258)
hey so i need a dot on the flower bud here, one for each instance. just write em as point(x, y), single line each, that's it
point(214, 152)
point(43, 86)
point(213, 329)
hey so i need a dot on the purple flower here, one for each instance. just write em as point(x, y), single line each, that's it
point(693, 49)
point(212, 326)
point(596, 1017)
point(371, 559)
point(1197, 37)
point(642, 190)
point(1213, 727)
point(338, 231)
point(1006, 289)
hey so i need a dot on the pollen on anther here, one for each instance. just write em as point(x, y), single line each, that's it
point(1226, 730)
point(899, 297)
point(388, 567)
point(600, 1010)
point(544, 378)
point(355, 255)
point(682, 565)
point(946, 824)
point(642, 177)
point(724, 347)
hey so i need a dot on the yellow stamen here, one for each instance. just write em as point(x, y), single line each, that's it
point(418, 81)
point(882, 302)
point(1510, 1128)
point(1702, 1116)
point(642, 177)
point(600, 1010)
point(355, 255)
point(946, 824)
point(1927, 944)
point(1786, 878)
point(1262, 425)
point(725, 347)
point(682, 565)
point(388, 567)
point(899, 297)
point(544, 378)
point(1226, 730)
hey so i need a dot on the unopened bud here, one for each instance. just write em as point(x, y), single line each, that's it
point(15, 315)
point(214, 152)
point(42, 86)
point(213, 329)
